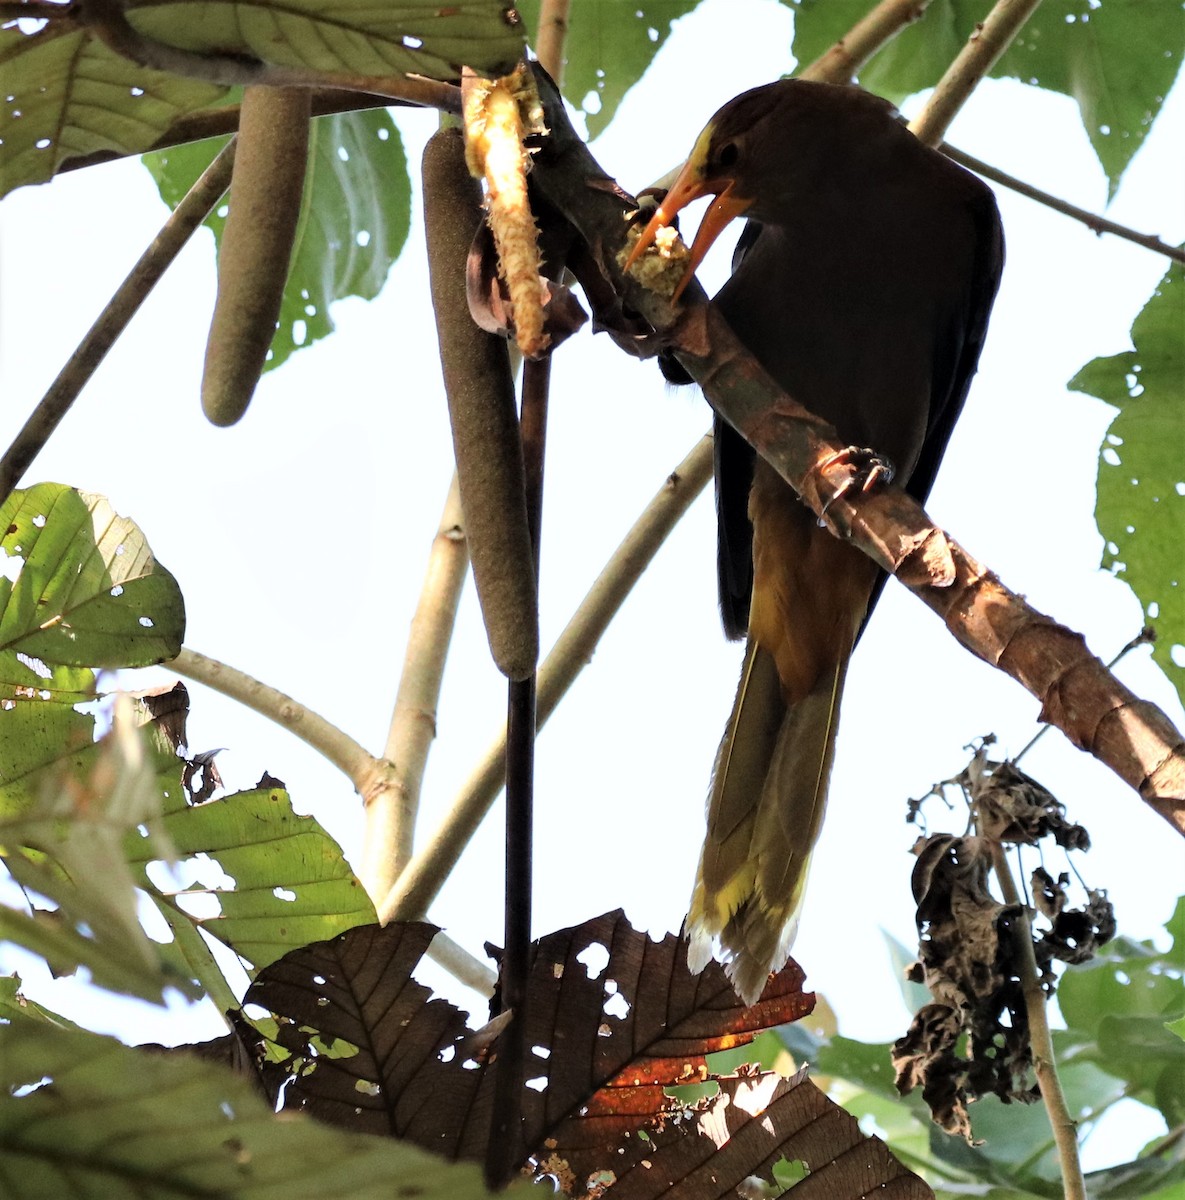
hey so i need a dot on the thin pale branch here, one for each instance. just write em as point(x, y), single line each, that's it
point(352, 759)
point(366, 772)
point(391, 811)
point(420, 883)
point(114, 319)
point(983, 48)
point(462, 965)
point(1091, 220)
point(550, 37)
point(106, 21)
point(1065, 1132)
point(842, 62)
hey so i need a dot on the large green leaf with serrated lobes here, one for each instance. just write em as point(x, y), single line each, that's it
point(79, 588)
point(66, 94)
point(610, 44)
point(82, 1115)
point(355, 217)
point(1140, 507)
point(88, 591)
point(1117, 60)
point(292, 885)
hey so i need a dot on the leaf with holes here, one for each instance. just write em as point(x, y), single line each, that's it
point(67, 95)
point(355, 217)
point(79, 588)
point(1116, 60)
point(613, 1018)
point(1141, 484)
point(66, 844)
point(81, 1115)
point(756, 1120)
point(282, 882)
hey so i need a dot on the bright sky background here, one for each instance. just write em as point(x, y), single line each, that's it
point(299, 539)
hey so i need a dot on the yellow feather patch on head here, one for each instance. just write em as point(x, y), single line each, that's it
point(698, 158)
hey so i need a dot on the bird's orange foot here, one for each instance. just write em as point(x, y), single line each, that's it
point(865, 470)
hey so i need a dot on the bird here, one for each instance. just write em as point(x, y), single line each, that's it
point(862, 283)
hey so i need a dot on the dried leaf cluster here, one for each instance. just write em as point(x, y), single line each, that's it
point(973, 1039)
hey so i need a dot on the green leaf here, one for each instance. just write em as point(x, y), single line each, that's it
point(88, 591)
point(1177, 1027)
point(14, 1005)
point(355, 217)
point(292, 885)
point(608, 48)
point(1141, 482)
point(1150, 1178)
point(913, 995)
point(82, 1115)
point(358, 37)
point(66, 845)
point(868, 1065)
point(1117, 60)
point(80, 589)
point(1116, 1010)
point(72, 96)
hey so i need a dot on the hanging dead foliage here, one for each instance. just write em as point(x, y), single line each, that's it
point(974, 1038)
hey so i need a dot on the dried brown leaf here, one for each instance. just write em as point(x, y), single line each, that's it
point(757, 1119)
point(969, 963)
point(612, 1018)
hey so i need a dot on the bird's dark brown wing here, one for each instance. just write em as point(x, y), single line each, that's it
point(956, 356)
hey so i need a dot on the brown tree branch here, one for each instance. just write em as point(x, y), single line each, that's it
point(1078, 694)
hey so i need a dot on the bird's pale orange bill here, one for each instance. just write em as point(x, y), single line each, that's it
point(689, 186)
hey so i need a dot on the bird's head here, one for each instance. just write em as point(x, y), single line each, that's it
point(725, 162)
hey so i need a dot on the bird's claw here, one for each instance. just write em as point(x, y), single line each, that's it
point(866, 470)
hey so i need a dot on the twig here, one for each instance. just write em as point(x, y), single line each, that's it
point(114, 319)
point(983, 48)
point(1065, 1131)
point(1145, 636)
point(106, 21)
point(419, 884)
point(352, 759)
point(1091, 220)
point(843, 60)
point(391, 811)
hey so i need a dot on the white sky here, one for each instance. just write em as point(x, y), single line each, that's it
point(299, 538)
